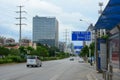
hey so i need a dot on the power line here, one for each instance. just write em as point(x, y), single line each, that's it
point(66, 35)
point(20, 21)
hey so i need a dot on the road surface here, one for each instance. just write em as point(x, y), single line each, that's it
point(50, 70)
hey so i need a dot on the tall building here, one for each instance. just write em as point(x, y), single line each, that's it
point(45, 30)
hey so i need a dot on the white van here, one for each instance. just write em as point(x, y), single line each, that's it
point(33, 61)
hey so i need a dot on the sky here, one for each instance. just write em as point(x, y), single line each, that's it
point(67, 12)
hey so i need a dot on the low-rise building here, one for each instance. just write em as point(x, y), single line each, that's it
point(2, 40)
point(10, 41)
point(62, 46)
point(25, 42)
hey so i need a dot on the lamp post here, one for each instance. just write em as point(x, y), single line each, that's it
point(90, 28)
point(89, 23)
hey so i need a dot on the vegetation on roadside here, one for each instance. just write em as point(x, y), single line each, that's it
point(86, 49)
point(19, 55)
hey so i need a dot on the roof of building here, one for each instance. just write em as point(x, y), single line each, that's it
point(110, 16)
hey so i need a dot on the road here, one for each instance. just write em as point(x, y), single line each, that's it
point(50, 70)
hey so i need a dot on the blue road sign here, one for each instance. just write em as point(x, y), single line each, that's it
point(78, 47)
point(81, 36)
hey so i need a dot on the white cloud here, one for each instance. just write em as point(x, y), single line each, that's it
point(44, 6)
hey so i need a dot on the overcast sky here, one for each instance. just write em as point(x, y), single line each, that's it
point(67, 12)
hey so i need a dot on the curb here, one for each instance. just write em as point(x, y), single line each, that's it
point(6, 64)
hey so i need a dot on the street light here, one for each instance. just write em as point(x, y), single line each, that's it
point(86, 21)
point(90, 28)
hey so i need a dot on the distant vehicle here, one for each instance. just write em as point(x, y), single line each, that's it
point(80, 60)
point(71, 59)
point(33, 61)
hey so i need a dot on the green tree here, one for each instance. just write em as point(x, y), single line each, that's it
point(23, 51)
point(53, 51)
point(92, 48)
point(34, 52)
point(85, 51)
point(14, 52)
point(29, 49)
point(42, 51)
point(4, 51)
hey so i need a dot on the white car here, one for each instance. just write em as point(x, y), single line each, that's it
point(33, 61)
point(80, 60)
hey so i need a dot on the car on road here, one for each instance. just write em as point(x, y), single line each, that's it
point(33, 61)
point(80, 60)
point(71, 59)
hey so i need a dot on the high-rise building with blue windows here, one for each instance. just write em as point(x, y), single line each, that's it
point(45, 30)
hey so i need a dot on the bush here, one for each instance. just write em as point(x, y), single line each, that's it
point(49, 58)
point(5, 60)
point(53, 58)
point(1, 61)
point(8, 60)
point(16, 58)
point(45, 58)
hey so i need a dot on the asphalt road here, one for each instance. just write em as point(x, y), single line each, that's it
point(50, 70)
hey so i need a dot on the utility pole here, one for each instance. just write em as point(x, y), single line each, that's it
point(97, 34)
point(66, 36)
point(20, 21)
point(66, 39)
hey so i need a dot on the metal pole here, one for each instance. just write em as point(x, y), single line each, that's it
point(90, 55)
point(20, 22)
point(96, 51)
point(119, 45)
point(20, 26)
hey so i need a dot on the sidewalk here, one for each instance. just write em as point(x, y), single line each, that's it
point(94, 75)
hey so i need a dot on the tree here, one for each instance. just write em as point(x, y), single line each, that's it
point(85, 51)
point(4, 51)
point(29, 49)
point(92, 48)
point(22, 49)
point(53, 50)
point(14, 52)
point(42, 51)
point(34, 52)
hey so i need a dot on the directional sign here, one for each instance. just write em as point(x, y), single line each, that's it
point(78, 47)
point(81, 36)
point(77, 52)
